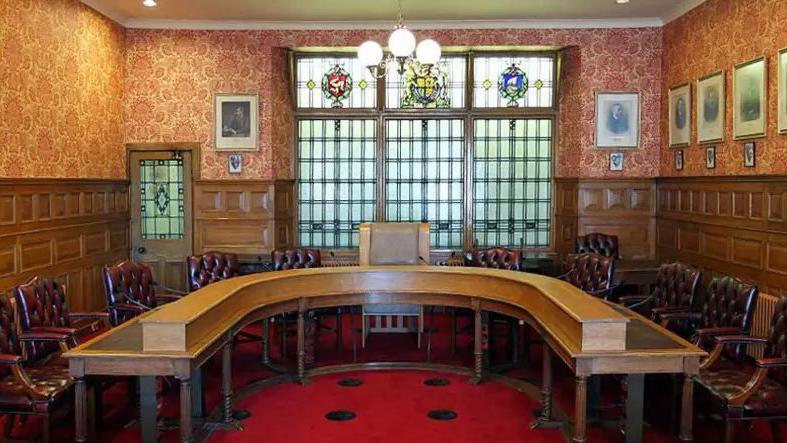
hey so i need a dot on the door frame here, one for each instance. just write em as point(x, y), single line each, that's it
point(191, 147)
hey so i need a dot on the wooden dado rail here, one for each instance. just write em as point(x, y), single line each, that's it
point(577, 323)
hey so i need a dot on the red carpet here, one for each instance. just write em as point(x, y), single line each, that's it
point(391, 406)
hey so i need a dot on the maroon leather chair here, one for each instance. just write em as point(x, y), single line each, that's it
point(593, 273)
point(130, 290)
point(596, 243)
point(35, 385)
point(727, 309)
point(211, 267)
point(674, 291)
point(743, 395)
point(298, 258)
point(43, 307)
point(497, 258)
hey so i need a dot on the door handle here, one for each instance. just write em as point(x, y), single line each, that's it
point(142, 250)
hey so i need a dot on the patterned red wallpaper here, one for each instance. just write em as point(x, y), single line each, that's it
point(172, 76)
point(61, 97)
point(716, 36)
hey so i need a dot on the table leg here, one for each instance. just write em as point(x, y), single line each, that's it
point(580, 410)
point(80, 415)
point(301, 347)
point(687, 409)
point(594, 398)
point(148, 413)
point(478, 348)
point(266, 358)
point(545, 418)
point(514, 322)
point(635, 397)
point(197, 397)
point(186, 427)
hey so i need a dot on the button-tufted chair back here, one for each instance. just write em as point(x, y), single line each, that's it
point(211, 267)
point(41, 302)
point(497, 258)
point(777, 340)
point(297, 258)
point(132, 279)
point(729, 303)
point(676, 285)
point(9, 340)
point(589, 272)
point(596, 243)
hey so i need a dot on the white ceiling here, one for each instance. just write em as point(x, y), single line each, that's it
point(360, 13)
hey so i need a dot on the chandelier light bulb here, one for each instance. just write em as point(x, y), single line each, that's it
point(370, 53)
point(428, 52)
point(401, 42)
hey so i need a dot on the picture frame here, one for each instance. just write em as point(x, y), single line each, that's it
point(711, 108)
point(710, 157)
point(750, 99)
point(236, 122)
point(235, 163)
point(782, 90)
point(679, 115)
point(679, 159)
point(617, 119)
point(616, 160)
point(749, 154)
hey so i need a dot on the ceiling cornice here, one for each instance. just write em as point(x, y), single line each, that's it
point(681, 9)
point(412, 24)
point(111, 13)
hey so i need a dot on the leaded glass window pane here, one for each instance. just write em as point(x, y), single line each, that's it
point(512, 164)
point(441, 87)
point(490, 72)
point(336, 182)
point(424, 179)
point(315, 72)
point(161, 195)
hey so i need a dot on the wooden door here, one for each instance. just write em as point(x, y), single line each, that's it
point(161, 213)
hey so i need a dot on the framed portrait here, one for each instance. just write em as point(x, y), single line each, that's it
point(237, 123)
point(750, 99)
point(235, 163)
point(749, 154)
point(782, 106)
point(679, 159)
point(617, 119)
point(680, 115)
point(710, 108)
point(616, 161)
point(710, 157)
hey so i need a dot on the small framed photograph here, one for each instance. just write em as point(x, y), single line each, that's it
point(750, 99)
point(710, 108)
point(237, 123)
point(710, 157)
point(235, 163)
point(616, 161)
point(782, 60)
point(749, 154)
point(617, 119)
point(679, 160)
point(680, 115)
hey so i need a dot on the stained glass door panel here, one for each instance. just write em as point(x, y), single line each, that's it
point(161, 191)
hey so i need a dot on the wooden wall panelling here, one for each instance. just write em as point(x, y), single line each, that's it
point(67, 229)
point(250, 218)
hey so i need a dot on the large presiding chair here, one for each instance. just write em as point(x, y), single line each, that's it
point(393, 244)
point(743, 395)
point(211, 267)
point(674, 291)
point(597, 243)
point(130, 290)
point(592, 273)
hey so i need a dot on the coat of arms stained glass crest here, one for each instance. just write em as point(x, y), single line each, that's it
point(337, 84)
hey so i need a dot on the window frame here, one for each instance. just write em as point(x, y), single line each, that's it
point(381, 114)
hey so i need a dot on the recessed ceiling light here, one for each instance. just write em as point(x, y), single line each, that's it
point(152, 3)
point(621, 2)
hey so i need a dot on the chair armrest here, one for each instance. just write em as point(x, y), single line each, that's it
point(171, 291)
point(669, 317)
point(627, 300)
point(18, 371)
point(88, 315)
point(47, 337)
point(740, 340)
point(771, 362)
point(670, 310)
point(603, 293)
point(10, 359)
point(128, 307)
point(715, 332)
point(168, 298)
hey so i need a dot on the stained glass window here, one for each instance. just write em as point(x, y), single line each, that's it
point(336, 181)
point(161, 195)
point(512, 164)
point(442, 86)
point(494, 80)
point(424, 176)
point(330, 82)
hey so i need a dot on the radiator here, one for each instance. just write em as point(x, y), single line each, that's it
point(761, 326)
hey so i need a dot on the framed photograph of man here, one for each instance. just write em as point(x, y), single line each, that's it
point(617, 119)
point(749, 154)
point(680, 115)
point(237, 122)
point(750, 99)
point(710, 108)
point(616, 161)
point(782, 60)
point(710, 157)
point(679, 159)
